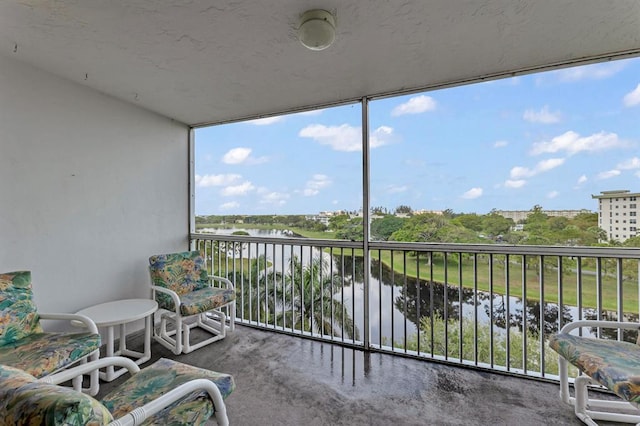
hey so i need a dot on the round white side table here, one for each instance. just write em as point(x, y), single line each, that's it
point(121, 312)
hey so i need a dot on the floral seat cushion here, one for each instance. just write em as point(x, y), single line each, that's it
point(40, 354)
point(18, 314)
point(205, 299)
point(157, 379)
point(25, 401)
point(185, 273)
point(613, 364)
point(23, 344)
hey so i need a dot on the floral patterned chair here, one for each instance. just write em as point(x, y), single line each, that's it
point(165, 393)
point(24, 344)
point(613, 364)
point(188, 297)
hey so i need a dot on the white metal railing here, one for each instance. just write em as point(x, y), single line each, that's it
point(485, 306)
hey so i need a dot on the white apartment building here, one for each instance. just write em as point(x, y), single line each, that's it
point(618, 213)
point(520, 215)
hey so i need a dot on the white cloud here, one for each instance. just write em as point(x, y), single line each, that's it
point(242, 189)
point(631, 163)
point(278, 198)
point(242, 155)
point(383, 135)
point(582, 179)
point(553, 194)
point(230, 205)
point(472, 194)
point(608, 174)
point(415, 105)
point(548, 164)
point(236, 155)
point(500, 144)
point(216, 180)
point(543, 116)
point(519, 183)
point(589, 72)
point(315, 184)
point(632, 98)
point(345, 137)
point(265, 121)
point(518, 172)
point(571, 143)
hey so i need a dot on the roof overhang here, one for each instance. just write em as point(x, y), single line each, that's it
point(204, 62)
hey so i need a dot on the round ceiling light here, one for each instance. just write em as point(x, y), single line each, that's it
point(317, 29)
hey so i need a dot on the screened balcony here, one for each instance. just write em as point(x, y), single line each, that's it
point(100, 102)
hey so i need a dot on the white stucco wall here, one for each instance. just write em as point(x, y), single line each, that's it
point(90, 187)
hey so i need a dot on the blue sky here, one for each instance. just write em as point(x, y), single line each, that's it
point(551, 139)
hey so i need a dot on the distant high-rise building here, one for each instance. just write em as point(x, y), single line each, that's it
point(618, 213)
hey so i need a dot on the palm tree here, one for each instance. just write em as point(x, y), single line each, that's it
point(255, 294)
point(307, 299)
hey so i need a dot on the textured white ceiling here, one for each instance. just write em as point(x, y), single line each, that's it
point(204, 61)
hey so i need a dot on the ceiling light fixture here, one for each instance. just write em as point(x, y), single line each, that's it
point(317, 29)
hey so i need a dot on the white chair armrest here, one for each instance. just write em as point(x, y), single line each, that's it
point(70, 373)
point(85, 320)
point(602, 324)
point(138, 415)
point(174, 296)
point(223, 280)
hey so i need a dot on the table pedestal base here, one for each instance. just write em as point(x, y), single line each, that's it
point(110, 372)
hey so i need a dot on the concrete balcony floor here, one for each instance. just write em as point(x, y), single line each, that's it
point(284, 380)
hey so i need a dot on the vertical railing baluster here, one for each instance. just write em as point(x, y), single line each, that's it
point(405, 296)
point(431, 297)
point(475, 308)
point(560, 292)
point(312, 302)
point(418, 303)
point(353, 296)
point(525, 327)
point(265, 274)
point(507, 314)
point(393, 288)
point(342, 293)
point(579, 290)
point(460, 317)
point(331, 304)
point(598, 293)
point(322, 293)
point(491, 313)
point(445, 289)
point(380, 341)
point(541, 334)
point(619, 295)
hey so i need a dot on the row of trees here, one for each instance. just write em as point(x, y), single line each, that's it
point(450, 227)
point(445, 227)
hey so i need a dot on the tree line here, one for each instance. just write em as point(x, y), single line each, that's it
point(402, 224)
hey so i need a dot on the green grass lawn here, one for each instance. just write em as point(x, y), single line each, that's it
point(551, 281)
